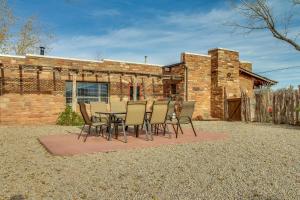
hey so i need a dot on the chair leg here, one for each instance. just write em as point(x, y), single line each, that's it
point(137, 131)
point(124, 132)
point(193, 127)
point(116, 130)
point(175, 130)
point(147, 135)
point(88, 133)
point(81, 132)
point(180, 128)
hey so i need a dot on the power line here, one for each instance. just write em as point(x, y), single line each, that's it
point(279, 69)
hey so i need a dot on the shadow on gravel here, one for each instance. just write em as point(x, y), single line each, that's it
point(282, 126)
point(17, 197)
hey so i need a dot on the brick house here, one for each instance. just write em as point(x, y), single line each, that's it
point(35, 88)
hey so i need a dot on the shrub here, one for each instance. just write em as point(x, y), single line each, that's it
point(69, 118)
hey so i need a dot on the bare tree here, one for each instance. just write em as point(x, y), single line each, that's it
point(26, 40)
point(6, 21)
point(258, 15)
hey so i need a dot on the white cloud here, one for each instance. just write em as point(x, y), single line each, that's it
point(167, 36)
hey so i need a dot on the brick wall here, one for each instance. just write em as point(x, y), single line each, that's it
point(30, 108)
point(246, 65)
point(33, 105)
point(225, 70)
point(199, 83)
point(246, 84)
point(207, 76)
point(217, 102)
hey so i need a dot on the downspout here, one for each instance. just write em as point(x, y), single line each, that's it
point(185, 82)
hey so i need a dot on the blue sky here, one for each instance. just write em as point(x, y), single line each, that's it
point(160, 29)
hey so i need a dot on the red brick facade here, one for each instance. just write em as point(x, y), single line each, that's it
point(32, 88)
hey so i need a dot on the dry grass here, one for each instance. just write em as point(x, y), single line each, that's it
point(256, 162)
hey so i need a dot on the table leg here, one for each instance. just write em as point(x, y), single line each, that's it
point(110, 128)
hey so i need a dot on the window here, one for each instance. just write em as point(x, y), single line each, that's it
point(137, 93)
point(173, 89)
point(87, 92)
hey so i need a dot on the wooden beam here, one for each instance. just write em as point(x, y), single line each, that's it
point(54, 80)
point(38, 82)
point(134, 84)
point(21, 79)
point(121, 87)
point(2, 90)
point(153, 88)
point(108, 80)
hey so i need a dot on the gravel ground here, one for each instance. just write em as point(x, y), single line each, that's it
point(256, 162)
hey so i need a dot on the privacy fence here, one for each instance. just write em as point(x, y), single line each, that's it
point(280, 106)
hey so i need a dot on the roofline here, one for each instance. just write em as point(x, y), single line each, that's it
point(12, 56)
point(173, 65)
point(245, 61)
point(219, 48)
point(258, 76)
point(137, 63)
point(197, 54)
point(64, 58)
point(76, 59)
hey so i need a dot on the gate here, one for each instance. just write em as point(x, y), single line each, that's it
point(234, 109)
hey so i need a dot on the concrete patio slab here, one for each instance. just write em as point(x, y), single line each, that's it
point(69, 144)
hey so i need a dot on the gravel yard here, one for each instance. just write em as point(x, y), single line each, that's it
point(256, 162)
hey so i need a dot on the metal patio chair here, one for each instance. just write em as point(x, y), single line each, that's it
point(88, 121)
point(135, 116)
point(96, 117)
point(158, 116)
point(184, 117)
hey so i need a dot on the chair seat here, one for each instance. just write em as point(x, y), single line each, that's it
point(120, 116)
point(99, 123)
point(171, 121)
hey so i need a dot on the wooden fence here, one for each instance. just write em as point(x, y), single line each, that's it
point(279, 107)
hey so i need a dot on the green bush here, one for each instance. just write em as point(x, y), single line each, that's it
point(69, 118)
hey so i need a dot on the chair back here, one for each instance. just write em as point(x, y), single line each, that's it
point(98, 107)
point(135, 112)
point(159, 112)
point(84, 113)
point(118, 106)
point(187, 111)
point(171, 109)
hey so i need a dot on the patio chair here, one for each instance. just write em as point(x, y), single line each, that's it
point(158, 116)
point(99, 107)
point(135, 116)
point(118, 106)
point(88, 121)
point(171, 110)
point(185, 117)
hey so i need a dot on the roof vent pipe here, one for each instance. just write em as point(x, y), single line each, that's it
point(42, 50)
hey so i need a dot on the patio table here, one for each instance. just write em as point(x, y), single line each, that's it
point(111, 119)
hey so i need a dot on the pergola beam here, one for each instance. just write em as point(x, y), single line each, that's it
point(91, 71)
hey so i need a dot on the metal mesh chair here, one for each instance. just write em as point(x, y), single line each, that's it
point(118, 106)
point(98, 107)
point(88, 121)
point(184, 117)
point(159, 116)
point(135, 116)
